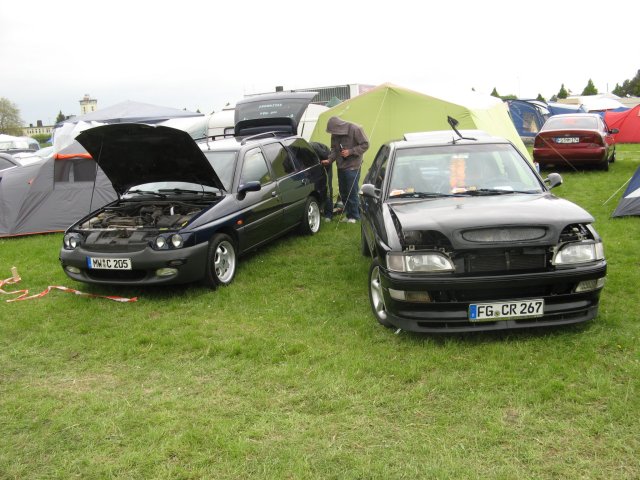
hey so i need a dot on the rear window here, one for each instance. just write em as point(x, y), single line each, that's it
point(569, 123)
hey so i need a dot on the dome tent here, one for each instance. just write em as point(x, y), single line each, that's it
point(388, 111)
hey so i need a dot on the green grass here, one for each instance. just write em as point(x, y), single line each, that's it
point(285, 374)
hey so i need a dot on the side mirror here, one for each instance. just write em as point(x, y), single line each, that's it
point(553, 180)
point(249, 187)
point(368, 190)
point(613, 131)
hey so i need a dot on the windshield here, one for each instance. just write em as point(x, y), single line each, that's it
point(224, 164)
point(461, 169)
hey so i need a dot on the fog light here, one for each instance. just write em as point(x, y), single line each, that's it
point(589, 285)
point(418, 297)
point(166, 272)
point(71, 269)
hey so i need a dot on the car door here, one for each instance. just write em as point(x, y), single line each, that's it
point(372, 220)
point(293, 187)
point(261, 211)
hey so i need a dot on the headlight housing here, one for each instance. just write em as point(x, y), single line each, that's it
point(169, 241)
point(419, 262)
point(72, 240)
point(579, 252)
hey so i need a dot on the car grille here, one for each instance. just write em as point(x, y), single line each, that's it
point(116, 247)
point(506, 261)
point(116, 275)
point(513, 234)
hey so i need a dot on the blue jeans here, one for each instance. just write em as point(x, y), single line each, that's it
point(348, 184)
point(328, 201)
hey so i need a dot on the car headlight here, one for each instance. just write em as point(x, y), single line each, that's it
point(573, 253)
point(176, 240)
point(419, 262)
point(162, 242)
point(71, 241)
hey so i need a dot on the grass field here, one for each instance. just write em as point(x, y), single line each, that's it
point(285, 374)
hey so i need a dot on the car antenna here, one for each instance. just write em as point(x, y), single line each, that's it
point(454, 123)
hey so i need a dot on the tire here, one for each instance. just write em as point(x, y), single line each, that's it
point(613, 156)
point(364, 246)
point(376, 299)
point(604, 166)
point(222, 260)
point(311, 219)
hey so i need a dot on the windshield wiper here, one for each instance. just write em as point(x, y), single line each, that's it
point(182, 190)
point(496, 191)
point(420, 195)
point(148, 192)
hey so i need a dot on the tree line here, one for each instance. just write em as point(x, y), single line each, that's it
point(629, 88)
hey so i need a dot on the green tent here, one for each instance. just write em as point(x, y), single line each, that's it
point(388, 112)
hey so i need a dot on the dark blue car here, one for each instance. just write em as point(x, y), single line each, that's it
point(188, 209)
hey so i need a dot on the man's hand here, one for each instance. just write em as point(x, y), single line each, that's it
point(325, 162)
point(345, 152)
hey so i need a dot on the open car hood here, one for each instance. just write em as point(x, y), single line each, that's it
point(279, 112)
point(132, 153)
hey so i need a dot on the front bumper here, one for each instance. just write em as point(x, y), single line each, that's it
point(449, 310)
point(189, 263)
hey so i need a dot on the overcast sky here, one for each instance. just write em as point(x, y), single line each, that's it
point(199, 54)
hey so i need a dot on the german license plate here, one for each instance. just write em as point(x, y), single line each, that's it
point(567, 140)
point(98, 263)
point(488, 312)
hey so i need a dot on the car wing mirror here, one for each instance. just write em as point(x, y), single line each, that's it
point(613, 131)
point(369, 190)
point(553, 180)
point(249, 187)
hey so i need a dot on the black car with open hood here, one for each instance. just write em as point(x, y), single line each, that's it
point(464, 235)
point(187, 210)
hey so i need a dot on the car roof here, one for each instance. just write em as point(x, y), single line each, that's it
point(237, 143)
point(447, 137)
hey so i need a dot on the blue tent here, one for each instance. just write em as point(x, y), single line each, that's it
point(528, 116)
point(630, 202)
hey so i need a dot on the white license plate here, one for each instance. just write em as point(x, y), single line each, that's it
point(487, 312)
point(567, 140)
point(97, 263)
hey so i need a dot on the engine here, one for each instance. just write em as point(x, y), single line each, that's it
point(156, 215)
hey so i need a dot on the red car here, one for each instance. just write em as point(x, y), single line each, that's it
point(580, 139)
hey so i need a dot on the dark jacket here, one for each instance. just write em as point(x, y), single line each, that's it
point(346, 135)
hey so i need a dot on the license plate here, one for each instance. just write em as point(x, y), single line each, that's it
point(487, 312)
point(567, 140)
point(97, 263)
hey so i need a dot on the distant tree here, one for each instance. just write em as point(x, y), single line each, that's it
point(563, 92)
point(540, 98)
point(42, 138)
point(629, 87)
point(618, 91)
point(198, 110)
point(10, 121)
point(590, 89)
point(495, 93)
point(60, 117)
point(511, 96)
point(553, 98)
